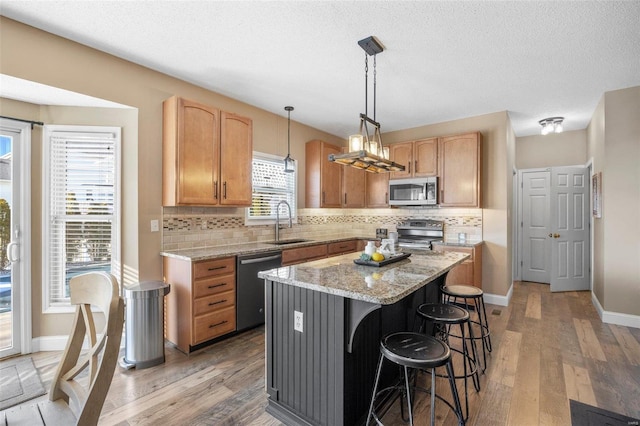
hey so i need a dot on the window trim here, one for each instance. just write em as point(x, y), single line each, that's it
point(116, 250)
point(249, 221)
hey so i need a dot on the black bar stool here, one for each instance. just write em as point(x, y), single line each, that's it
point(416, 351)
point(443, 316)
point(472, 298)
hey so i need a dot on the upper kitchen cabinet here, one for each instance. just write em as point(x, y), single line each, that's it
point(420, 158)
point(323, 178)
point(377, 195)
point(207, 155)
point(353, 187)
point(460, 172)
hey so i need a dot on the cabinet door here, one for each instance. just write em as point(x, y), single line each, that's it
point(353, 187)
point(425, 154)
point(330, 178)
point(460, 170)
point(236, 151)
point(323, 179)
point(377, 190)
point(198, 153)
point(402, 153)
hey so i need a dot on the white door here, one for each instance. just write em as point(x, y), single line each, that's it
point(15, 295)
point(570, 255)
point(536, 244)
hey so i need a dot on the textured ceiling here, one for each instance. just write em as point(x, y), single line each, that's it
point(442, 60)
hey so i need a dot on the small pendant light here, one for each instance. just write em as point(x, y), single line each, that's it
point(289, 163)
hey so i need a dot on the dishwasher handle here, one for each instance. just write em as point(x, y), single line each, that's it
point(260, 259)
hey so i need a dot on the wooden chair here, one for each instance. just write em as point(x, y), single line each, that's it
point(69, 401)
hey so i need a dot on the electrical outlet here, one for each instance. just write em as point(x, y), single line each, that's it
point(155, 226)
point(297, 321)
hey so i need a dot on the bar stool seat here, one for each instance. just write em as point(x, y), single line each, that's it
point(415, 351)
point(444, 316)
point(472, 299)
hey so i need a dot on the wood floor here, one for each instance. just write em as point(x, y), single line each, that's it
point(547, 348)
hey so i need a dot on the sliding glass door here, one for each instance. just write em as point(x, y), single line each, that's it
point(15, 294)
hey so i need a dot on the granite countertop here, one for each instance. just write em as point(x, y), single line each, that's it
point(384, 285)
point(456, 243)
point(213, 252)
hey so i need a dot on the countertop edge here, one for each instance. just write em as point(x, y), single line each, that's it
point(350, 294)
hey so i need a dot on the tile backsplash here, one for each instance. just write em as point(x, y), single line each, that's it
point(194, 227)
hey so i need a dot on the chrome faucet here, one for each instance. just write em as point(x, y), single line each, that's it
point(278, 218)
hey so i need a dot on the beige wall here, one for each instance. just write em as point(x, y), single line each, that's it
point(498, 157)
point(556, 149)
point(595, 152)
point(621, 201)
point(78, 68)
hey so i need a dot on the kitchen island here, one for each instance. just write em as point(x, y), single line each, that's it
point(324, 321)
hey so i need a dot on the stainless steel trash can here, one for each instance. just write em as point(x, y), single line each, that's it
point(144, 324)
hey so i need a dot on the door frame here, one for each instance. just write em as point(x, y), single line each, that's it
point(24, 199)
point(517, 235)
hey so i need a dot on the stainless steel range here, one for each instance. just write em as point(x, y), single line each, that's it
point(420, 233)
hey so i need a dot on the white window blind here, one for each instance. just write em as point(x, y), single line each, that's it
point(270, 186)
point(82, 211)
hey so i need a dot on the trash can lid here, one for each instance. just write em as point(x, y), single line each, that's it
point(146, 289)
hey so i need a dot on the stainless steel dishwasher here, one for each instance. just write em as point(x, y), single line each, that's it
point(250, 288)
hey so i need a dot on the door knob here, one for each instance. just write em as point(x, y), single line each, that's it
point(556, 235)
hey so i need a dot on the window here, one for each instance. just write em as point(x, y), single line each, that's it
point(81, 187)
point(270, 186)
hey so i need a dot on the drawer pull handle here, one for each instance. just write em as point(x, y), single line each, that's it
point(218, 302)
point(215, 268)
point(217, 285)
point(220, 323)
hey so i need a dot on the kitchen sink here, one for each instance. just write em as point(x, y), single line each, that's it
point(285, 242)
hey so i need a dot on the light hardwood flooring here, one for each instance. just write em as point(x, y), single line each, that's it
point(547, 348)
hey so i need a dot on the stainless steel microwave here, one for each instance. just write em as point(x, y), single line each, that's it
point(413, 192)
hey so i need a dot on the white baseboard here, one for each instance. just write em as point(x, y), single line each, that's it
point(615, 317)
point(496, 299)
point(58, 343)
point(49, 343)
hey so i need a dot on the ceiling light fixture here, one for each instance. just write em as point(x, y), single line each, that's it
point(289, 163)
point(551, 125)
point(366, 152)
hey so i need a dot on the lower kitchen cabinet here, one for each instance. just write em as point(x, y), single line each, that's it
point(342, 247)
point(303, 254)
point(201, 305)
point(468, 272)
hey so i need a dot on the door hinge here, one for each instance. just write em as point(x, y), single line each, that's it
point(521, 263)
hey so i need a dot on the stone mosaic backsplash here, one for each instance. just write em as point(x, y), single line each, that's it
point(195, 227)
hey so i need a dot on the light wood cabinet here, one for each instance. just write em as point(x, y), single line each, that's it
point(323, 179)
point(201, 305)
point(303, 254)
point(206, 155)
point(353, 187)
point(420, 158)
point(460, 170)
point(342, 247)
point(377, 195)
point(468, 272)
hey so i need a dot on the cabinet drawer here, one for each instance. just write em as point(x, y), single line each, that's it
point(213, 303)
point(214, 324)
point(210, 268)
point(342, 247)
point(304, 254)
point(214, 285)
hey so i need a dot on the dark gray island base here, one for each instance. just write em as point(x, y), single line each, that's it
point(323, 375)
